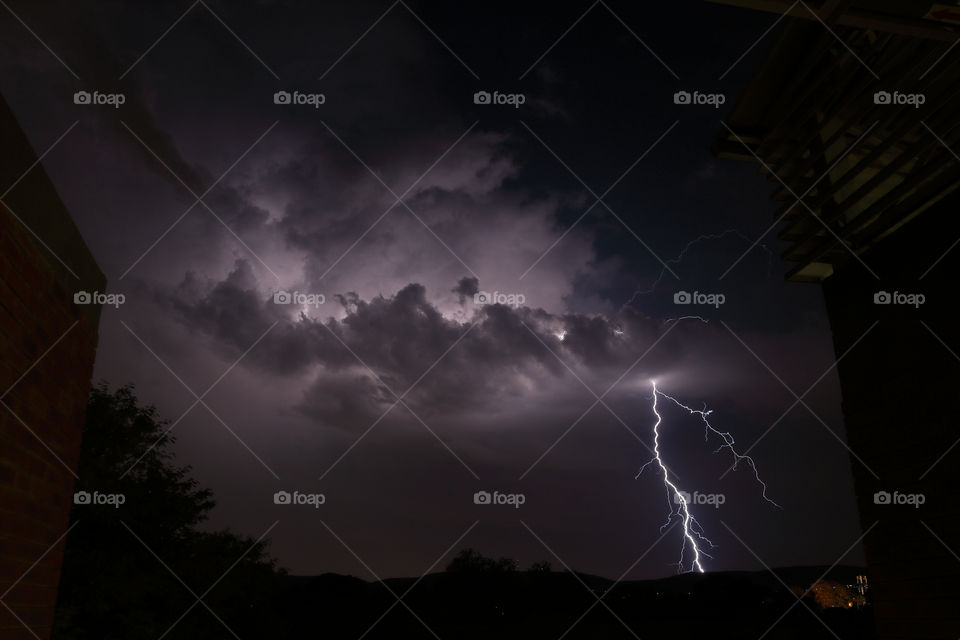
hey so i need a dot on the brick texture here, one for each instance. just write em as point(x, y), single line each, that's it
point(47, 350)
point(40, 427)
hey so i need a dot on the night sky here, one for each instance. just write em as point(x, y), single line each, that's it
point(397, 200)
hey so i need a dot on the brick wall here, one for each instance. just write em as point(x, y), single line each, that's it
point(43, 396)
point(900, 387)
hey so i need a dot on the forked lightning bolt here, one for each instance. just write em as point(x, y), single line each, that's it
point(693, 534)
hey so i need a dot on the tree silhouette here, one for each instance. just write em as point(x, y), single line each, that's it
point(112, 586)
point(472, 561)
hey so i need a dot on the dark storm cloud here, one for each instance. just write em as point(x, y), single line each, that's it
point(399, 336)
point(466, 288)
point(399, 291)
point(495, 355)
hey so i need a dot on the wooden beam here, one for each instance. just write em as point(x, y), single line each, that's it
point(857, 18)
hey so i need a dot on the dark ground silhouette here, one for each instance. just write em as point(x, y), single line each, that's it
point(551, 605)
